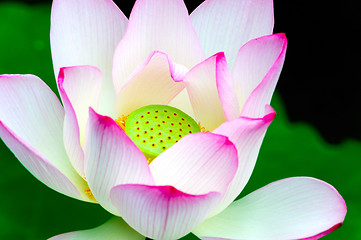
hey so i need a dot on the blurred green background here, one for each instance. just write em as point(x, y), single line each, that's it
point(30, 210)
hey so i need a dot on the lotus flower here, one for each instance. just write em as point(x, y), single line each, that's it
point(217, 67)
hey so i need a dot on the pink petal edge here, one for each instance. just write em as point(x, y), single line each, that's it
point(156, 25)
point(111, 158)
point(225, 25)
point(199, 163)
point(71, 135)
point(262, 93)
point(161, 212)
point(247, 134)
point(35, 163)
point(265, 196)
point(32, 115)
point(201, 84)
point(225, 88)
point(73, 44)
point(318, 236)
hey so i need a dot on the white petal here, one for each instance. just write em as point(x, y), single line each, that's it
point(111, 158)
point(79, 88)
point(212, 100)
point(30, 109)
point(247, 135)
point(32, 127)
point(201, 86)
point(258, 66)
point(199, 163)
point(70, 183)
point(156, 25)
point(225, 25)
point(293, 208)
point(161, 212)
point(157, 81)
point(182, 102)
point(86, 32)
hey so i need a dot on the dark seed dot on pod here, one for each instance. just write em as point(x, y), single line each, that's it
point(180, 130)
point(148, 112)
point(180, 136)
point(151, 137)
point(159, 133)
point(163, 148)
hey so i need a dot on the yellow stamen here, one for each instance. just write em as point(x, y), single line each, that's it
point(203, 129)
point(89, 193)
point(121, 121)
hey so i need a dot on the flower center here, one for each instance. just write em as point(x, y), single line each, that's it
point(155, 128)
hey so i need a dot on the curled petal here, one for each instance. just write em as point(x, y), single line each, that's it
point(226, 89)
point(156, 25)
point(79, 88)
point(157, 81)
point(209, 87)
point(202, 89)
point(256, 72)
point(292, 208)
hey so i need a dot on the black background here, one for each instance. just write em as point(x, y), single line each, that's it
point(320, 80)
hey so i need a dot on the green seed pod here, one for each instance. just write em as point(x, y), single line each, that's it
point(155, 128)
